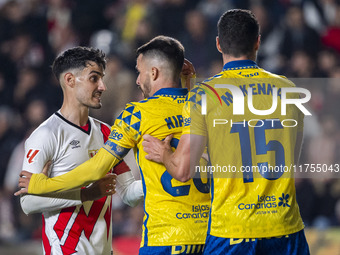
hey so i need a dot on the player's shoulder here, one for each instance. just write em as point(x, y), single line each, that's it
point(45, 131)
point(277, 77)
point(98, 122)
point(131, 108)
point(49, 126)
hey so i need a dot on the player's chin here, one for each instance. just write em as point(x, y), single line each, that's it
point(96, 105)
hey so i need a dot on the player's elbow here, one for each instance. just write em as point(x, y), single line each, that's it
point(26, 205)
point(183, 173)
point(183, 178)
point(132, 194)
point(131, 203)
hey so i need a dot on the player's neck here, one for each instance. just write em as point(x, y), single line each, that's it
point(164, 84)
point(229, 58)
point(77, 115)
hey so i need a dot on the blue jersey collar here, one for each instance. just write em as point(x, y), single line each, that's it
point(172, 92)
point(239, 64)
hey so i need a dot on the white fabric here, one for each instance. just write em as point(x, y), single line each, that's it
point(90, 223)
point(129, 189)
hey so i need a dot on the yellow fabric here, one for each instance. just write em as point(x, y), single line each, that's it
point(88, 172)
point(134, 15)
point(247, 205)
point(176, 213)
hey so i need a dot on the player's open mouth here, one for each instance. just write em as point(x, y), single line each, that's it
point(97, 95)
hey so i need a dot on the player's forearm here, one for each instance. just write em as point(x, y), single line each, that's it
point(177, 165)
point(88, 172)
point(38, 204)
point(129, 190)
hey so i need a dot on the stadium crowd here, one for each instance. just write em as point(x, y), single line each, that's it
point(299, 38)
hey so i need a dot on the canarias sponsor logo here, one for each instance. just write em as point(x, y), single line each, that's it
point(198, 212)
point(266, 202)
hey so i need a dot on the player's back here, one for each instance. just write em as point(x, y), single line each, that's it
point(251, 203)
point(176, 213)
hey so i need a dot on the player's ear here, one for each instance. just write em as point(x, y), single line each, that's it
point(258, 42)
point(69, 79)
point(218, 46)
point(154, 73)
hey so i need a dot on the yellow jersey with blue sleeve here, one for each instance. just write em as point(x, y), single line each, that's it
point(176, 213)
point(252, 190)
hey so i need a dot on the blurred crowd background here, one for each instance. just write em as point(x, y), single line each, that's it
point(299, 39)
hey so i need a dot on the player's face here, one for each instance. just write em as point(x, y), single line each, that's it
point(143, 80)
point(90, 86)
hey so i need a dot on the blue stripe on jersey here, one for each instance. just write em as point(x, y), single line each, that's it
point(212, 199)
point(116, 150)
point(239, 64)
point(211, 78)
point(171, 92)
point(144, 191)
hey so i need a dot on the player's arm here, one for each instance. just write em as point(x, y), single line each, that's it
point(129, 190)
point(92, 170)
point(180, 163)
point(56, 201)
point(86, 173)
point(37, 152)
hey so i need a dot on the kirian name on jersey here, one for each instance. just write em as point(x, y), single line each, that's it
point(174, 121)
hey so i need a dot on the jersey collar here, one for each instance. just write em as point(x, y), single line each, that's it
point(171, 92)
point(239, 64)
point(87, 131)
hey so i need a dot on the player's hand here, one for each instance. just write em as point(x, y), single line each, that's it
point(188, 72)
point(24, 181)
point(101, 188)
point(47, 168)
point(25, 178)
point(156, 148)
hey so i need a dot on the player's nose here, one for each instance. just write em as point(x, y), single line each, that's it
point(138, 81)
point(102, 86)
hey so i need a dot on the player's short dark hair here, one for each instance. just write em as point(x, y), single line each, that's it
point(238, 31)
point(170, 49)
point(77, 57)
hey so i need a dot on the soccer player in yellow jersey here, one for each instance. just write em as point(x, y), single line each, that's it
point(176, 213)
point(252, 212)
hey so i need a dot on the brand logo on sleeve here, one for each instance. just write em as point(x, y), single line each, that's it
point(31, 155)
point(115, 135)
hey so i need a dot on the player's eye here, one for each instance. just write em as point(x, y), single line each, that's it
point(94, 78)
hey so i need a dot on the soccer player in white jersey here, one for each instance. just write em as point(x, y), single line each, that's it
point(176, 213)
point(255, 212)
point(77, 221)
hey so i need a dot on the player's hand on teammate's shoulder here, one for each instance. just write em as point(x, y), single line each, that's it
point(156, 148)
point(101, 188)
